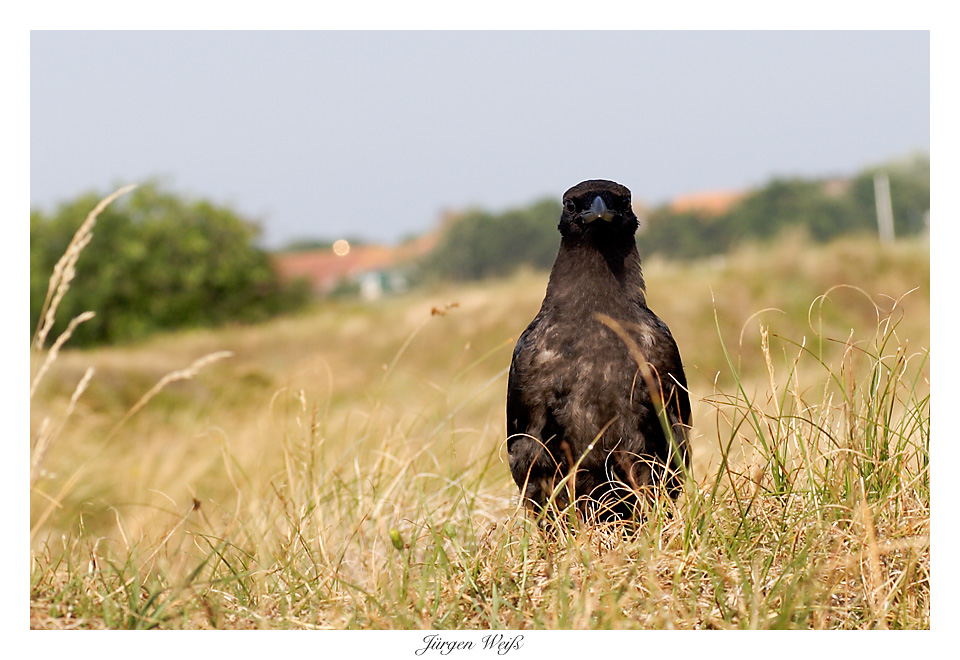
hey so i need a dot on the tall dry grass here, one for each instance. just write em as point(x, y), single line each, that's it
point(49, 429)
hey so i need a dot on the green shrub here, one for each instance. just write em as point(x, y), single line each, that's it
point(481, 244)
point(156, 262)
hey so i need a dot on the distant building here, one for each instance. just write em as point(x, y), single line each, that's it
point(836, 187)
point(374, 269)
point(712, 203)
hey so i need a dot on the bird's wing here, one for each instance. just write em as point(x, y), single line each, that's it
point(518, 414)
point(664, 359)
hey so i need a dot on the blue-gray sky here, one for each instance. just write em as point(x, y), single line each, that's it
point(322, 134)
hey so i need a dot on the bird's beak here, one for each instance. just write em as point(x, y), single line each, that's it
point(597, 211)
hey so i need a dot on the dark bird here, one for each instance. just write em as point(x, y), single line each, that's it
point(596, 392)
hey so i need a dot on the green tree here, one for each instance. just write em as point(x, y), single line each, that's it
point(156, 262)
point(909, 194)
point(825, 211)
point(685, 235)
point(481, 244)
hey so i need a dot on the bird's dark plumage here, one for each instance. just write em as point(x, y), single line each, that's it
point(596, 380)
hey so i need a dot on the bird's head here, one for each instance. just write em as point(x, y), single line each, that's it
point(598, 208)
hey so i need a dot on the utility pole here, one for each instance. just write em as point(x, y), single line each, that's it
point(881, 193)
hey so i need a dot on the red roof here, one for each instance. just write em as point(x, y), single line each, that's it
point(324, 269)
point(715, 202)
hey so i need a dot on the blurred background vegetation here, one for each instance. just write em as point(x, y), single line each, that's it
point(159, 261)
point(480, 244)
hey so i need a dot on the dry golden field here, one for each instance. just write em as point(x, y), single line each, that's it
point(346, 467)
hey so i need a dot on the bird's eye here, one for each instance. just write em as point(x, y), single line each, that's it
point(569, 206)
